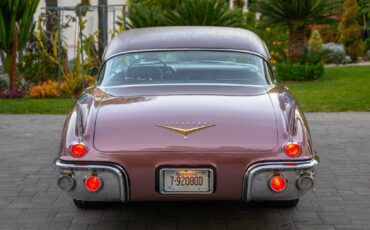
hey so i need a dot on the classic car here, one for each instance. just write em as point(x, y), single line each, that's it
point(186, 113)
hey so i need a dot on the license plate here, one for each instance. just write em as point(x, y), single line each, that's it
point(186, 181)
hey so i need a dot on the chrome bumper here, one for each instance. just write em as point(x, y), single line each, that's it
point(256, 180)
point(115, 181)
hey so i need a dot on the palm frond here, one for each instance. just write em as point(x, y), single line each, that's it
point(295, 13)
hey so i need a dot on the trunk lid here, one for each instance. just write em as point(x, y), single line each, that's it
point(242, 119)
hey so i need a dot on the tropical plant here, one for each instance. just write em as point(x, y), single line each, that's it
point(149, 13)
point(296, 15)
point(203, 13)
point(16, 25)
point(141, 15)
point(350, 30)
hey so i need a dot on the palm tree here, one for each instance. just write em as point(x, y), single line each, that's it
point(296, 15)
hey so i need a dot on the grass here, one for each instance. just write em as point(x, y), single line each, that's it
point(36, 106)
point(340, 89)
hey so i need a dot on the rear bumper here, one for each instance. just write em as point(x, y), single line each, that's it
point(256, 180)
point(116, 186)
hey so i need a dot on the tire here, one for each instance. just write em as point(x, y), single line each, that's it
point(286, 203)
point(81, 204)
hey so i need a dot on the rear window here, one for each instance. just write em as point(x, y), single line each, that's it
point(184, 67)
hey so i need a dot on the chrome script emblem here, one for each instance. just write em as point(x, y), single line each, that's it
point(184, 131)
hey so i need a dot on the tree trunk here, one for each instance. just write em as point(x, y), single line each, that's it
point(103, 30)
point(13, 65)
point(51, 18)
point(296, 43)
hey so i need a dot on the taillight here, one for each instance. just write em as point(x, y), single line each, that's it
point(93, 183)
point(78, 150)
point(292, 150)
point(277, 183)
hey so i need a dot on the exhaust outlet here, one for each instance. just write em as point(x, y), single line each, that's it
point(305, 181)
point(65, 180)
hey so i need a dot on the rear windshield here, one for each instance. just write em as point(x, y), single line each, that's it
point(183, 67)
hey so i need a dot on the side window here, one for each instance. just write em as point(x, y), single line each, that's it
point(101, 75)
point(269, 74)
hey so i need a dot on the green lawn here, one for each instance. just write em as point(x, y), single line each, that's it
point(341, 89)
point(36, 106)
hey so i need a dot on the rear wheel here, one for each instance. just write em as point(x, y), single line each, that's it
point(285, 203)
point(81, 204)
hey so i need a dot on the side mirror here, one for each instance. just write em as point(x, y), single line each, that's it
point(93, 71)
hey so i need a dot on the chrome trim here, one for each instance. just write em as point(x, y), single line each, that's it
point(116, 169)
point(186, 49)
point(265, 166)
point(211, 181)
point(181, 84)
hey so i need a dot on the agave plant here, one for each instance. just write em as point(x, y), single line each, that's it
point(203, 13)
point(16, 25)
point(296, 15)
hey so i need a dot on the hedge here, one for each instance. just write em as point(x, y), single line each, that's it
point(299, 72)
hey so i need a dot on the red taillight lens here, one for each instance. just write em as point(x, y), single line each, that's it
point(78, 150)
point(292, 150)
point(277, 183)
point(93, 183)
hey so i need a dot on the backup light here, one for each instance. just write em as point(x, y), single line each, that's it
point(292, 150)
point(277, 183)
point(78, 150)
point(93, 183)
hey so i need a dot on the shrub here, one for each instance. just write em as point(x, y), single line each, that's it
point(330, 33)
point(337, 54)
point(72, 83)
point(47, 89)
point(12, 94)
point(299, 72)
point(4, 82)
point(367, 44)
point(315, 42)
point(350, 30)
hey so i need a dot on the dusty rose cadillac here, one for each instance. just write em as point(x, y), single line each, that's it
point(186, 113)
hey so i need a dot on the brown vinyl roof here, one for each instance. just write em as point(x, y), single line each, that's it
point(185, 37)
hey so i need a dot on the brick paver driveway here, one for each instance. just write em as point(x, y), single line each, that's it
point(29, 197)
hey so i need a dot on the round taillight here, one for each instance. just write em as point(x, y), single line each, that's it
point(93, 183)
point(292, 150)
point(78, 150)
point(277, 183)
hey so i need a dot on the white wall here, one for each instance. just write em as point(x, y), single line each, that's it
point(71, 34)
